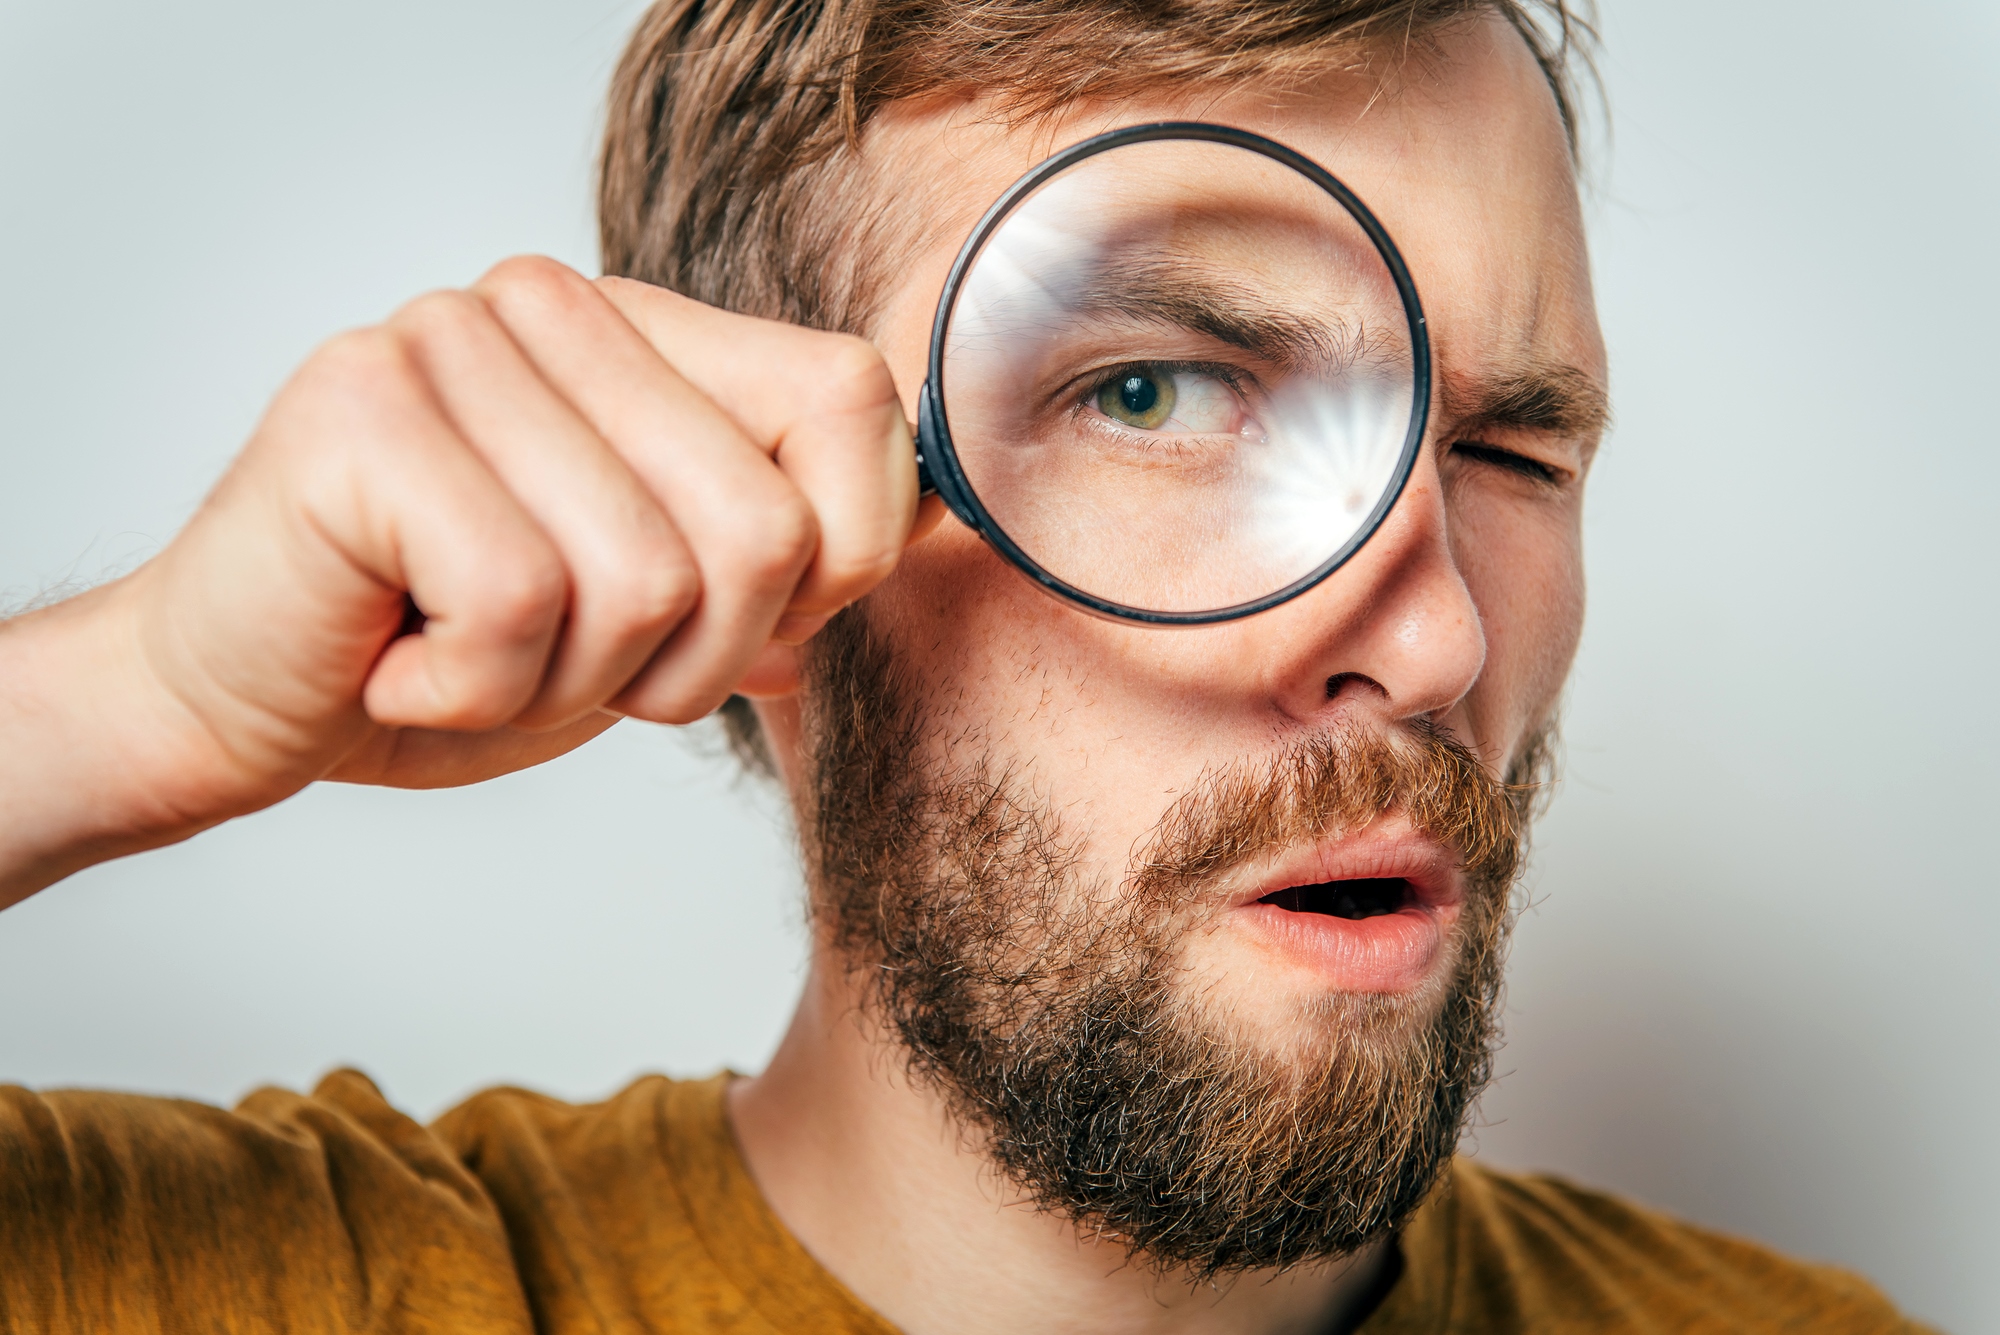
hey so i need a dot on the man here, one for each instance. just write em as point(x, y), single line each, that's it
point(1153, 973)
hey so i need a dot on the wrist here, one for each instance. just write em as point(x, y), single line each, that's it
point(92, 764)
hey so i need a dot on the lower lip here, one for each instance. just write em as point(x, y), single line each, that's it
point(1392, 952)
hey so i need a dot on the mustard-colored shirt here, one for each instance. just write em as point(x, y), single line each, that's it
point(516, 1214)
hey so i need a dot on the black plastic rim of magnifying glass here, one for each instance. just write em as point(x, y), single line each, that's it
point(937, 458)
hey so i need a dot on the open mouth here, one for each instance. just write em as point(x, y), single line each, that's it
point(1371, 912)
point(1360, 898)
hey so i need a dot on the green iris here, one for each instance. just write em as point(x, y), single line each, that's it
point(1138, 398)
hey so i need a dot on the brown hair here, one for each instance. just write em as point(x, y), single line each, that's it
point(730, 167)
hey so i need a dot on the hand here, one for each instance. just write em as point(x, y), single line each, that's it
point(604, 499)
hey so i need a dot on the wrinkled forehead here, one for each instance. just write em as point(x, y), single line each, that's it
point(1456, 144)
point(1217, 238)
point(1196, 200)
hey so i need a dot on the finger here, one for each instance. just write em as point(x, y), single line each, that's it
point(775, 672)
point(422, 758)
point(751, 531)
point(824, 405)
point(410, 505)
point(632, 579)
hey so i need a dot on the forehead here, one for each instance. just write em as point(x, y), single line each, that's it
point(1455, 143)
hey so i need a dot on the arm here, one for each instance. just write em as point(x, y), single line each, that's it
point(605, 500)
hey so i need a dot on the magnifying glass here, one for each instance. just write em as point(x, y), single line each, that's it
point(1179, 374)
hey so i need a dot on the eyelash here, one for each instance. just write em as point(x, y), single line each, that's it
point(1233, 376)
point(1514, 463)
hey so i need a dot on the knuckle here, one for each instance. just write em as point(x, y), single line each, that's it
point(446, 314)
point(535, 278)
point(654, 592)
point(853, 372)
point(359, 393)
point(360, 363)
point(777, 544)
point(524, 596)
point(859, 570)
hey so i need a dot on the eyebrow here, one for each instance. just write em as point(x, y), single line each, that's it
point(1539, 396)
point(1228, 312)
point(1535, 395)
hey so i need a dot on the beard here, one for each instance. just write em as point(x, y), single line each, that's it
point(1055, 1015)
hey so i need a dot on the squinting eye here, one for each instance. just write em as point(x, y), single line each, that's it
point(1139, 398)
point(1507, 459)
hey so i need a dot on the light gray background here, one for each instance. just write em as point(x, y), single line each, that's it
point(1759, 983)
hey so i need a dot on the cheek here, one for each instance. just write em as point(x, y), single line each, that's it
point(953, 611)
point(1523, 564)
point(985, 651)
point(1011, 677)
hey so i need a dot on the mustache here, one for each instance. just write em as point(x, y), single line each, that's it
point(1337, 783)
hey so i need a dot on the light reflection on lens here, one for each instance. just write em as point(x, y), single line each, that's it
point(1179, 376)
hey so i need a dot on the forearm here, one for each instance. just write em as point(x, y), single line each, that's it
point(82, 765)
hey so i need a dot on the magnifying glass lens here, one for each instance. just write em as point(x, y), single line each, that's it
point(1178, 377)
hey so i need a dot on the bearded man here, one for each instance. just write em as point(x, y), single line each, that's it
point(1153, 972)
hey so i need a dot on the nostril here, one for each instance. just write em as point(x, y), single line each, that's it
point(1343, 681)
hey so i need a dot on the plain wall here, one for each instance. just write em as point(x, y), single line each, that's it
point(1757, 982)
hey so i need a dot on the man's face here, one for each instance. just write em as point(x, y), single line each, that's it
point(1156, 798)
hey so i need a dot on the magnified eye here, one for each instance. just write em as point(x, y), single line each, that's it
point(1138, 398)
point(1175, 400)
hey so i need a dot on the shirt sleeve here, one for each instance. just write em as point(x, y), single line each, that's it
point(305, 1214)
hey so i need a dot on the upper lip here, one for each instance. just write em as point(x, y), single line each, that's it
point(1388, 849)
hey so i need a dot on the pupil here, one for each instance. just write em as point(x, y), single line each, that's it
point(1138, 394)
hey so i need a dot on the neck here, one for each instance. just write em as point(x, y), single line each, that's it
point(875, 1178)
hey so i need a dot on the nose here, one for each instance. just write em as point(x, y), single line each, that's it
point(1394, 633)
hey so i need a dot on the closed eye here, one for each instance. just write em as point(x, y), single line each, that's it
point(1507, 459)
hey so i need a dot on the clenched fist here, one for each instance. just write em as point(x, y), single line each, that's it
point(460, 543)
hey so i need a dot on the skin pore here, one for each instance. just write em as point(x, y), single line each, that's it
point(1463, 612)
